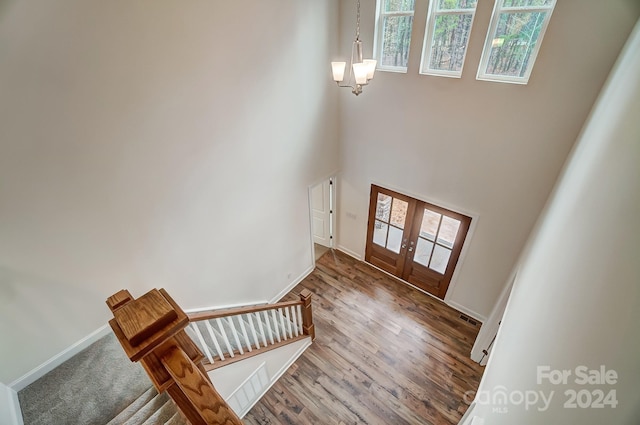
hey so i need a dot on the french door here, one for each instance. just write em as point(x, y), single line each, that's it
point(414, 240)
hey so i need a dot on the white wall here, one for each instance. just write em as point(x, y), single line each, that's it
point(10, 413)
point(489, 149)
point(576, 297)
point(155, 144)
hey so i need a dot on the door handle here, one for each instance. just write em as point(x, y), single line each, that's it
point(404, 245)
point(410, 249)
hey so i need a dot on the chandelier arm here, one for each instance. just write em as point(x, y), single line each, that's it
point(345, 85)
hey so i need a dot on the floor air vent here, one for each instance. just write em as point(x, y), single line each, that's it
point(469, 320)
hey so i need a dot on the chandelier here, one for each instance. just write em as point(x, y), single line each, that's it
point(360, 71)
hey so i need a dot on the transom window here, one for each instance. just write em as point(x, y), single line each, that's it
point(511, 46)
point(447, 36)
point(513, 40)
point(394, 21)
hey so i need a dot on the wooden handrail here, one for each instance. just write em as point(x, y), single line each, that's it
point(225, 312)
point(204, 399)
point(151, 331)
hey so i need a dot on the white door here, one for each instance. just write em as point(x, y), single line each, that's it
point(321, 213)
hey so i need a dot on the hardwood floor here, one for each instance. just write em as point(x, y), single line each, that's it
point(384, 354)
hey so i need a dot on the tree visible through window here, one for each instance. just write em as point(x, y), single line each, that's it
point(446, 36)
point(513, 40)
point(393, 34)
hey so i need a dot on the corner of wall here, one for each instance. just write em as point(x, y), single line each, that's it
point(10, 412)
point(293, 284)
point(58, 359)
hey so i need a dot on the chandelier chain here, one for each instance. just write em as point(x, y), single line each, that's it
point(358, 21)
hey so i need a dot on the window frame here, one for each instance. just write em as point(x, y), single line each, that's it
point(429, 31)
point(498, 10)
point(378, 44)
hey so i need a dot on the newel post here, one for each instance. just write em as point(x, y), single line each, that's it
point(151, 331)
point(308, 327)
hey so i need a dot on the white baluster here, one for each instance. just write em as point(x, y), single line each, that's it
point(299, 309)
point(275, 324)
point(283, 328)
point(224, 336)
point(294, 316)
point(267, 322)
point(202, 342)
point(244, 332)
point(252, 328)
point(288, 321)
point(235, 333)
point(260, 328)
point(214, 338)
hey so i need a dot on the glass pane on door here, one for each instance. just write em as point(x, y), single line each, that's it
point(395, 239)
point(430, 224)
point(399, 213)
point(440, 259)
point(448, 231)
point(423, 252)
point(383, 207)
point(380, 233)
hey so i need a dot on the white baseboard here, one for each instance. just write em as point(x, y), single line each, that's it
point(10, 413)
point(349, 252)
point(292, 285)
point(467, 418)
point(465, 310)
point(59, 358)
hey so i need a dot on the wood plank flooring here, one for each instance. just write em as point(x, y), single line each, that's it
point(384, 353)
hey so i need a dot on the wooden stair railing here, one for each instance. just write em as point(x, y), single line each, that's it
point(228, 335)
point(151, 331)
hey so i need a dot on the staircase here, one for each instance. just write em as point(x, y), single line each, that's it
point(177, 359)
point(150, 408)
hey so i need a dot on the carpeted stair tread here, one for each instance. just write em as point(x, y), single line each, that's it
point(133, 408)
point(101, 376)
point(177, 419)
point(147, 410)
point(162, 415)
